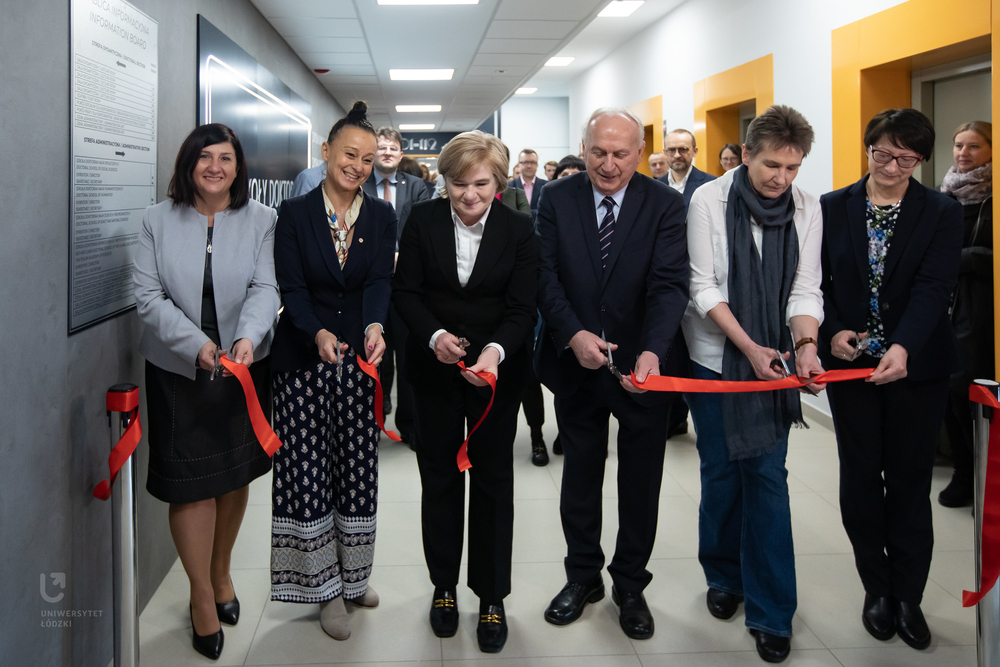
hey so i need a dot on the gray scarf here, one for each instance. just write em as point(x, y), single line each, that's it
point(759, 287)
point(972, 187)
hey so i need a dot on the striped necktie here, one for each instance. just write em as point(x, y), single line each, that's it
point(605, 231)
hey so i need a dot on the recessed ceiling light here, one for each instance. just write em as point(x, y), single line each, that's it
point(421, 74)
point(428, 2)
point(418, 108)
point(525, 91)
point(559, 61)
point(416, 126)
point(620, 8)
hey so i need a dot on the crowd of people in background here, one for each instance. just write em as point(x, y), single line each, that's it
point(587, 280)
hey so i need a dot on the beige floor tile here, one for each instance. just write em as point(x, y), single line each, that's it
point(816, 526)
point(630, 660)
point(253, 546)
point(954, 571)
point(290, 634)
point(165, 626)
point(676, 597)
point(398, 539)
point(904, 656)
point(816, 467)
point(533, 586)
point(260, 491)
point(797, 658)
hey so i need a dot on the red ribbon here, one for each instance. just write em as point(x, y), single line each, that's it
point(691, 386)
point(372, 372)
point(121, 401)
point(463, 451)
point(261, 427)
point(989, 556)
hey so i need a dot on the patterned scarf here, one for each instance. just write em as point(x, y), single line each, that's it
point(971, 187)
point(340, 227)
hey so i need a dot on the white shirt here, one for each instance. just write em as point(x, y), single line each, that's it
point(679, 186)
point(602, 210)
point(708, 250)
point(468, 238)
point(390, 182)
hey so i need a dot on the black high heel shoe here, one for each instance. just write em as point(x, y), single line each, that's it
point(209, 646)
point(229, 612)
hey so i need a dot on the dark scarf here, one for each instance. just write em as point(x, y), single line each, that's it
point(759, 286)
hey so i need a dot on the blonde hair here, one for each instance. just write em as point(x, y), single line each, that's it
point(980, 127)
point(468, 149)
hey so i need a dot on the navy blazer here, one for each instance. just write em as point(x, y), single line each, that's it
point(694, 181)
point(536, 192)
point(638, 301)
point(409, 190)
point(921, 271)
point(316, 293)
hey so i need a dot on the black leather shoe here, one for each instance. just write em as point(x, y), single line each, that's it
point(633, 614)
point(557, 446)
point(721, 604)
point(229, 612)
point(910, 625)
point(958, 493)
point(444, 613)
point(568, 605)
point(678, 429)
point(877, 617)
point(539, 455)
point(492, 629)
point(209, 646)
point(387, 406)
point(771, 648)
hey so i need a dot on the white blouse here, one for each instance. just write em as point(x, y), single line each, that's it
point(708, 250)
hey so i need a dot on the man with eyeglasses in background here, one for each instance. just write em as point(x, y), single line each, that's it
point(680, 148)
point(527, 160)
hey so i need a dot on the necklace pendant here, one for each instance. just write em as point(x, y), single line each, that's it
point(209, 248)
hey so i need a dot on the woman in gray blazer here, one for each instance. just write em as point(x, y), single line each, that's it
point(205, 285)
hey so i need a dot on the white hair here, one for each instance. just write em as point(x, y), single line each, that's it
point(603, 112)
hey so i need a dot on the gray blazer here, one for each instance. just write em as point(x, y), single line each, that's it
point(170, 270)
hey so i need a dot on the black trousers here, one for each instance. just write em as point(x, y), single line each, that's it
point(887, 438)
point(642, 434)
point(958, 425)
point(449, 405)
point(532, 401)
point(395, 346)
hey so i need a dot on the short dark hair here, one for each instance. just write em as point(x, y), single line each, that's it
point(904, 128)
point(681, 130)
point(780, 126)
point(389, 133)
point(356, 117)
point(733, 147)
point(410, 166)
point(182, 189)
point(570, 162)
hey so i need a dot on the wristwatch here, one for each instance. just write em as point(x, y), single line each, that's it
point(804, 341)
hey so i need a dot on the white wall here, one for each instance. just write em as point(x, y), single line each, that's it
point(539, 123)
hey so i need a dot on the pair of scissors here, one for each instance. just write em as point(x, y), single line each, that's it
point(859, 344)
point(611, 361)
point(778, 365)
point(340, 360)
point(217, 370)
point(463, 342)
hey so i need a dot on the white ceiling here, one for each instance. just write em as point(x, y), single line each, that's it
point(494, 47)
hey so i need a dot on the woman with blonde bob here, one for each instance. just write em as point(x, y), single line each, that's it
point(465, 287)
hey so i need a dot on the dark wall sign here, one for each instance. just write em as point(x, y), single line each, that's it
point(272, 122)
point(425, 143)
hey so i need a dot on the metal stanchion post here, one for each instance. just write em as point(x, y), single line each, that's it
point(124, 546)
point(988, 609)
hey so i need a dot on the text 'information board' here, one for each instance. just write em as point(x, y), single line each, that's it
point(113, 163)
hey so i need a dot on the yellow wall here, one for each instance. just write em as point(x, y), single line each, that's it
point(650, 112)
point(717, 101)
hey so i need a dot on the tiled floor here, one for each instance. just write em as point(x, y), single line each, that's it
point(827, 628)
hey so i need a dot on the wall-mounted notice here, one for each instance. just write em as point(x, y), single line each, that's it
point(113, 89)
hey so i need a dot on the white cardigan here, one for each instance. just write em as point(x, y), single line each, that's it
point(708, 250)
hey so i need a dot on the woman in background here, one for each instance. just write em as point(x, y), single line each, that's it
point(729, 157)
point(970, 181)
point(204, 284)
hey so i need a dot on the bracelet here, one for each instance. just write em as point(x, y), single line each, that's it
point(805, 341)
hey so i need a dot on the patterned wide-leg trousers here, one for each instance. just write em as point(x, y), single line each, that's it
point(325, 485)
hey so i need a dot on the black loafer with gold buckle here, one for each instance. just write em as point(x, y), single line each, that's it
point(492, 630)
point(444, 613)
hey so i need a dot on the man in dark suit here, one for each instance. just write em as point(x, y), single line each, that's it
point(613, 284)
point(683, 176)
point(527, 160)
point(402, 190)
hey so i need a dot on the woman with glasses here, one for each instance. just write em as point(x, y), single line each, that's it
point(729, 157)
point(891, 250)
point(970, 181)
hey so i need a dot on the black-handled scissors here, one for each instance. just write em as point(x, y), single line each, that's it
point(217, 371)
point(611, 360)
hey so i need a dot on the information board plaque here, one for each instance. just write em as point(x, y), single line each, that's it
point(113, 96)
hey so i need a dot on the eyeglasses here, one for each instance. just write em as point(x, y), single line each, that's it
point(534, 162)
point(904, 161)
point(683, 150)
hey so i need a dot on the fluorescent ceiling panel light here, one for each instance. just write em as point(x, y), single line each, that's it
point(416, 126)
point(559, 61)
point(428, 2)
point(621, 8)
point(421, 74)
point(525, 91)
point(418, 108)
